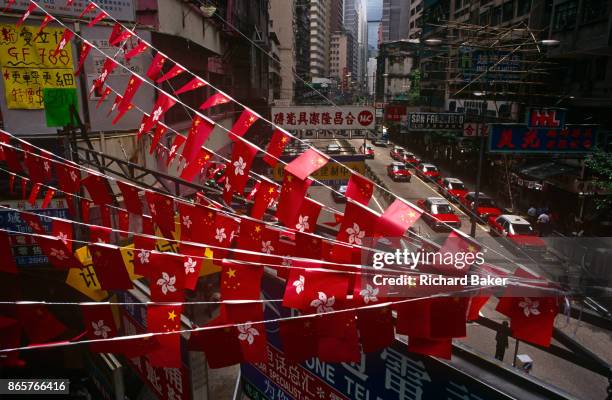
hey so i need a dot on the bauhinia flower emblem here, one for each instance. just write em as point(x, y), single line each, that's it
point(355, 234)
point(239, 166)
point(323, 304)
point(190, 265)
point(227, 186)
point(220, 234)
point(266, 246)
point(63, 237)
point(530, 307)
point(299, 284)
point(59, 254)
point(286, 261)
point(302, 224)
point(247, 332)
point(73, 176)
point(369, 294)
point(143, 256)
point(157, 113)
point(100, 329)
point(166, 282)
point(187, 221)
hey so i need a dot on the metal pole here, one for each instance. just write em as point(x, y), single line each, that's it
point(474, 213)
point(516, 347)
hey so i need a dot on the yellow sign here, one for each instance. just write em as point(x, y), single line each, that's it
point(29, 65)
point(332, 171)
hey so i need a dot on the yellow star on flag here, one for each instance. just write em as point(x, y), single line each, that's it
point(231, 273)
point(171, 315)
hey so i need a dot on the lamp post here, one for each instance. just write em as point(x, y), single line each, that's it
point(479, 132)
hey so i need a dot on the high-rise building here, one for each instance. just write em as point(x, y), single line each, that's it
point(415, 20)
point(320, 35)
point(395, 19)
point(339, 55)
point(282, 16)
point(302, 47)
point(356, 24)
point(337, 16)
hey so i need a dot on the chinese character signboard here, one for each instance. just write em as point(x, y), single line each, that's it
point(473, 129)
point(546, 118)
point(308, 117)
point(331, 173)
point(122, 10)
point(29, 65)
point(394, 113)
point(423, 121)
point(511, 138)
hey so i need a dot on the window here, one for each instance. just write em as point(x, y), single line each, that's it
point(565, 15)
point(594, 9)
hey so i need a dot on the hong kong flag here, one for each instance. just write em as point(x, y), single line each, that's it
point(196, 166)
point(291, 198)
point(192, 263)
point(110, 268)
point(214, 100)
point(143, 245)
point(193, 84)
point(276, 146)
point(160, 131)
point(308, 215)
point(100, 324)
point(69, 178)
point(358, 225)
point(237, 171)
point(163, 104)
point(107, 68)
point(63, 231)
point(314, 291)
point(66, 38)
point(240, 281)
point(97, 186)
point(191, 219)
point(141, 47)
point(165, 319)
point(131, 198)
point(56, 251)
point(223, 234)
point(199, 132)
point(307, 163)
point(175, 71)
point(162, 210)
point(176, 144)
point(156, 66)
point(166, 275)
point(100, 234)
point(33, 6)
point(266, 194)
point(397, 218)
point(244, 122)
point(359, 189)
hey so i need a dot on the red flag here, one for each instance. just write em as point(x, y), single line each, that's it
point(8, 264)
point(103, 97)
point(162, 210)
point(163, 104)
point(122, 112)
point(131, 197)
point(99, 324)
point(39, 324)
point(314, 291)
point(199, 132)
point(143, 246)
point(237, 171)
point(62, 230)
point(193, 84)
point(69, 177)
point(89, 8)
point(110, 268)
point(376, 330)
point(276, 146)
point(176, 70)
point(107, 68)
point(291, 197)
point(160, 130)
point(121, 36)
point(223, 232)
point(33, 222)
point(48, 18)
point(308, 215)
point(338, 340)
point(307, 163)
point(431, 347)
point(156, 66)
point(99, 234)
point(9, 4)
point(85, 49)
point(358, 225)
point(47, 199)
point(219, 342)
point(196, 166)
point(240, 281)
point(34, 193)
point(26, 14)
point(141, 47)
point(299, 338)
point(66, 37)
point(267, 192)
point(457, 243)
point(10, 337)
point(165, 318)
point(99, 17)
point(397, 218)
point(85, 206)
point(123, 220)
point(192, 219)
point(359, 189)
point(192, 263)
point(244, 122)
point(97, 186)
point(130, 90)
point(176, 144)
point(214, 100)
point(166, 274)
point(250, 238)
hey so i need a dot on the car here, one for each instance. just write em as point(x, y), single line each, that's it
point(367, 150)
point(333, 148)
point(410, 159)
point(518, 230)
point(396, 153)
point(380, 142)
point(439, 213)
point(486, 206)
point(452, 188)
point(398, 171)
point(340, 197)
point(428, 170)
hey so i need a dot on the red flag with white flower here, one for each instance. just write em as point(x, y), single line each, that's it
point(308, 215)
point(224, 231)
point(276, 146)
point(176, 144)
point(57, 252)
point(63, 231)
point(161, 208)
point(237, 170)
point(308, 162)
point(358, 225)
point(100, 324)
point(166, 274)
point(33, 6)
point(65, 39)
point(163, 104)
point(192, 263)
point(107, 68)
point(314, 291)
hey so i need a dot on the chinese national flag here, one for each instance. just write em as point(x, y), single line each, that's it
point(244, 122)
point(434, 318)
point(131, 199)
point(100, 324)
point(99, 234)
point(359, 189)
point(308, 215)
point(34, 165)
point(199, 132)
point(376, 330)
point(240, 281)
point(123, 221)
point(162, 210)
point(220, 343)
point(56, 251)
point(99, 17)
point(193, 84)
point(160, 131)
point(358, 225)
point(175, 71)
point(39, 324)
point(308, 162)
point(163, 104)
point(130, 90)
point(308, 245)
point(458, 243)
point(85, 206)
point(196, 166)
point(214, 100)
point(8, 261)
point(276, 146)
point(338, 340)
point(12, 158)
point(397, 218)
point(431, 347)
point(141, 47)
point(97, 186)
point(291, 198)
point(192, 263)
point(237, 171)
point(250, 238)
point(48, 18)
point(85, 49)
point(89, 8)
point(267, 192)
point(120, 36)
point(299, 338)
point(163, 319)
point(156, 66)
point(110, 268)
point(176, 144)
point(166, 275)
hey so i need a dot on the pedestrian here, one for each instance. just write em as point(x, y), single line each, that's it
point(532, 214)
point(543, 223)
point(501, 339)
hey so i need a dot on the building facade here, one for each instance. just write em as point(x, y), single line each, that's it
point(320, 36)
point(283, 18)
point(395, 19)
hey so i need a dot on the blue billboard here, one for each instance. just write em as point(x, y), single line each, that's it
point(515, 138)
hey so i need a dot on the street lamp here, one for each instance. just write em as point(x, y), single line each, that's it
point(433, 41)
point(549, 42)
point(479, 132)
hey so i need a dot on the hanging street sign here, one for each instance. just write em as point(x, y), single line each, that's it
point(514, 138)
point(424, 121)
point(539, 117)
point(474, 129)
